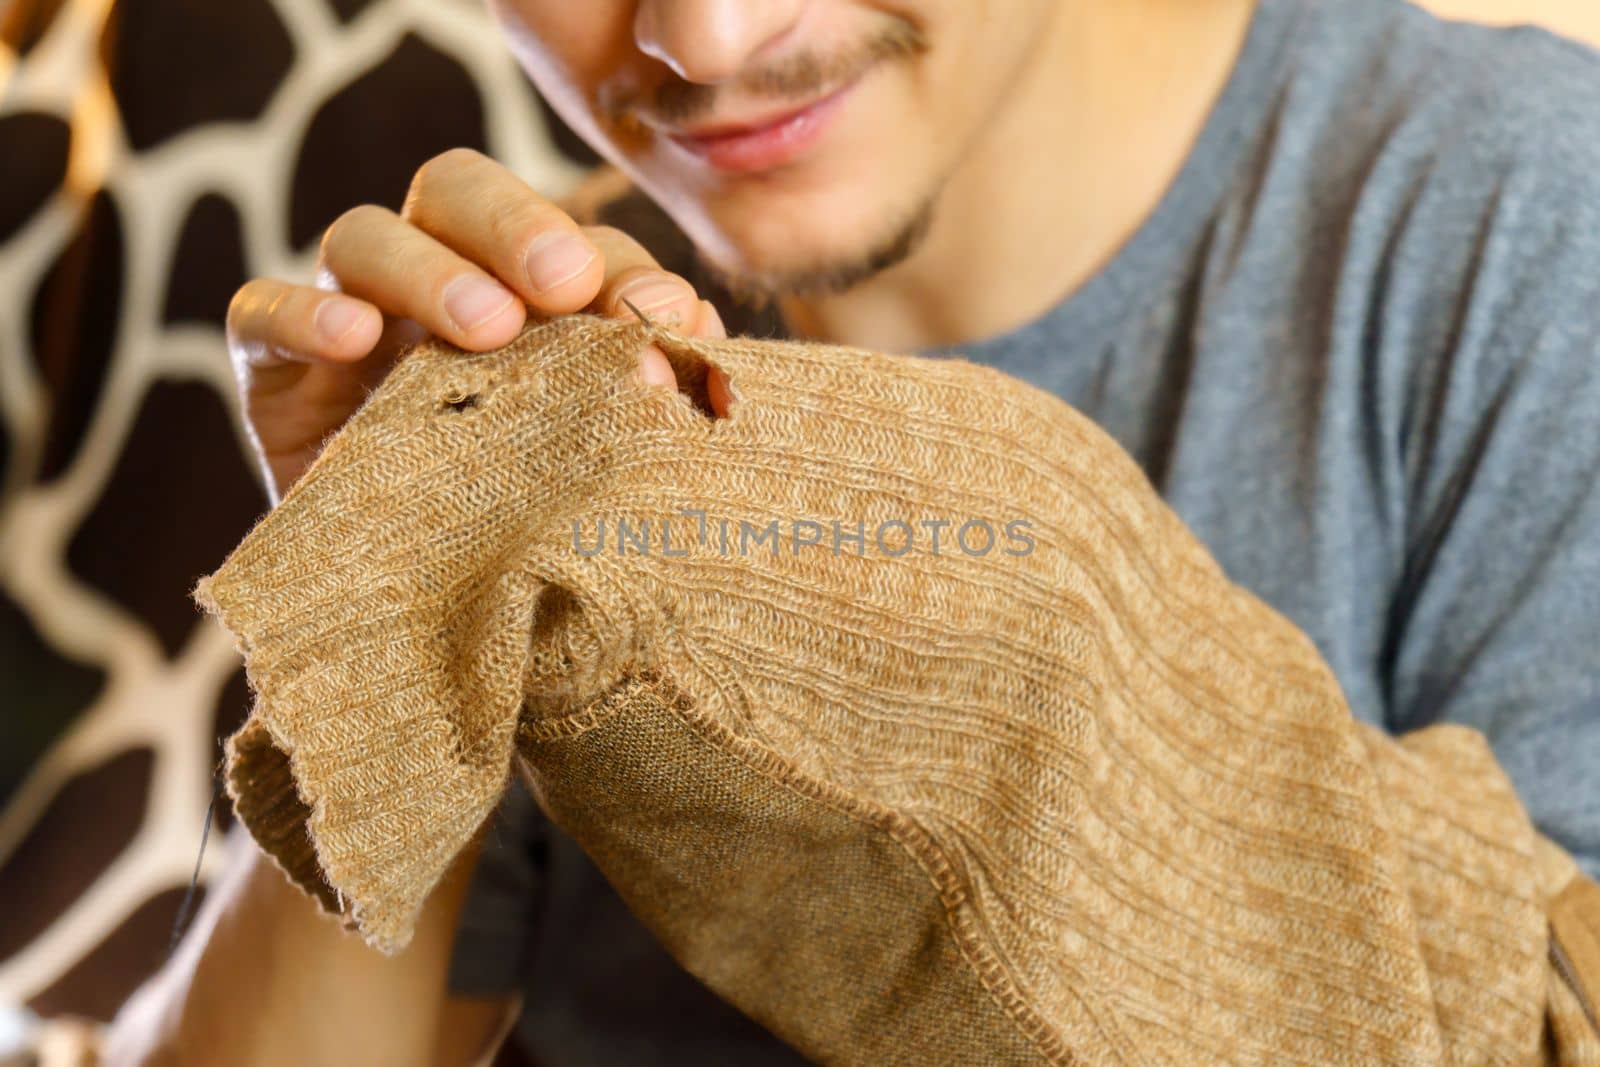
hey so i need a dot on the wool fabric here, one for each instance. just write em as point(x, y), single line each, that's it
point(896, 704)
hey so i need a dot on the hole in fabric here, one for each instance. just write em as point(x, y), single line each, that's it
point(458, 401)
point(699, 393)
point(694, 373)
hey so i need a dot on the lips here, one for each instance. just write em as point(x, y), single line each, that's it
point(749, 148)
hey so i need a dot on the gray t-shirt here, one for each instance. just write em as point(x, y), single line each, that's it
point(1357, 348)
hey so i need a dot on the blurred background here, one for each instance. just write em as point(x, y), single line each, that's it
point(154, 154)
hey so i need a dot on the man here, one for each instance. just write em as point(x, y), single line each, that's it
point(1330, 271)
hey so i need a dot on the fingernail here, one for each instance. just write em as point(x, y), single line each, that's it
point(655, 293)
point(337, 316)
point(473, 301)
point(556, 258)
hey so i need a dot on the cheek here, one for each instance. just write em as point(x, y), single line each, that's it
point(572, 52)
point(980, 50)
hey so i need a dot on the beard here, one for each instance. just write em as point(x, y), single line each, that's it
point(758, 288)
point(676, 101)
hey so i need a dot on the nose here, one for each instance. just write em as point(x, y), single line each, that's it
point(709, 41)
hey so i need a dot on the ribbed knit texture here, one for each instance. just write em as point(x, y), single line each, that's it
point(1074, 798)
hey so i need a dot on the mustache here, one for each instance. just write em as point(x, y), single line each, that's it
point(805, 75)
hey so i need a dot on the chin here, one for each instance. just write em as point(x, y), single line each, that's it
point(778, 235)
point(770, 260)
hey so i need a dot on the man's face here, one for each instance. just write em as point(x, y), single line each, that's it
point(894, 97)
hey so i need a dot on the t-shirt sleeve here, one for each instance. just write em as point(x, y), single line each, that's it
point(1498, 625)
point(494, 936)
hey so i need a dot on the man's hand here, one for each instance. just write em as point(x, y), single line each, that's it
point(471, 250)
point(262, 977)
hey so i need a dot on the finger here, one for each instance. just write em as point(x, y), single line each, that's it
point(478, 208)
point(710, 322)
point(372, 253)
point(655, 369)
point(718, 393)
point(634, 277)
point(271, 322)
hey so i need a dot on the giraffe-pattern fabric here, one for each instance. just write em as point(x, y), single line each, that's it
point(132, 204)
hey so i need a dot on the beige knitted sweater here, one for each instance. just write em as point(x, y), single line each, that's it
point(1047, 789)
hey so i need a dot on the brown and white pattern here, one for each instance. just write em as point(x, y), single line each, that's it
point(156, 153)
